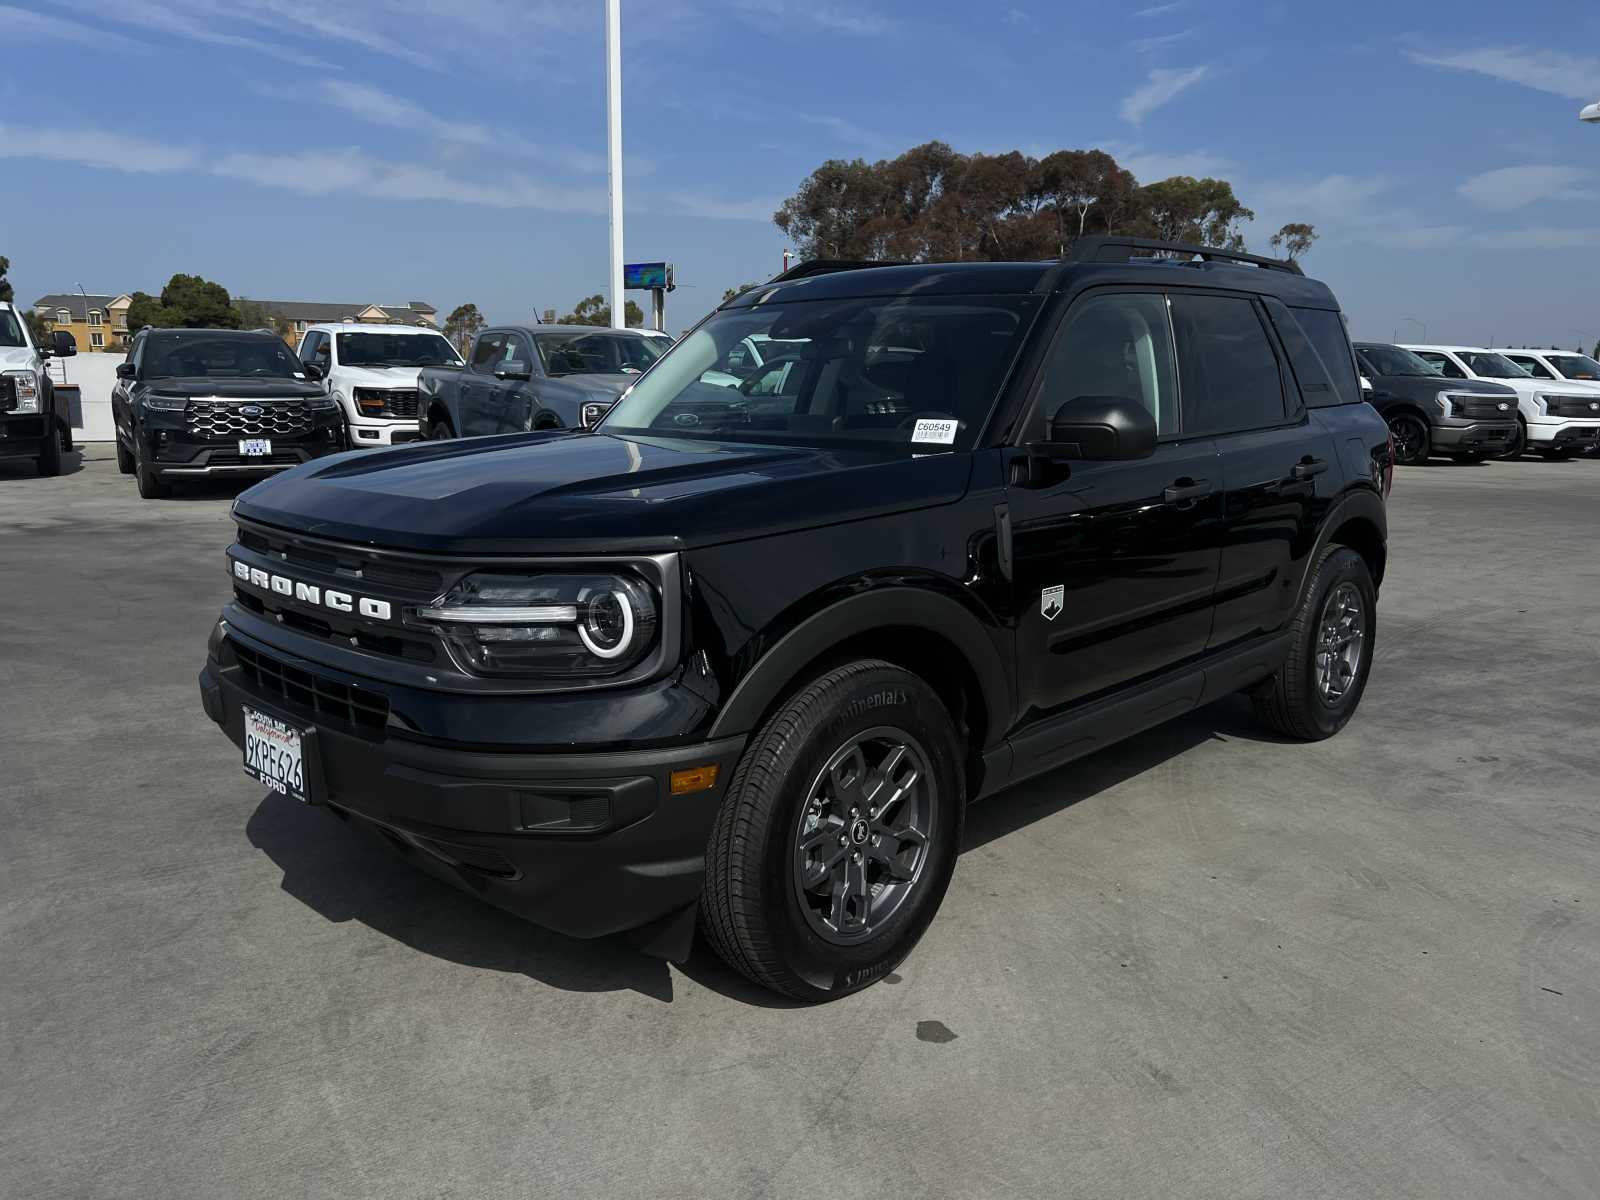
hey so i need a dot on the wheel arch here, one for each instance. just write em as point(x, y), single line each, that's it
point(926, 633)
point(1357, 521)
point(439, 413)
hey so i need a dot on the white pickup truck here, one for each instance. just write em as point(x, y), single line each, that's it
point(372, 372)
point(34, 421)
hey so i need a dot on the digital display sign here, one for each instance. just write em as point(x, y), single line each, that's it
point(646, 276)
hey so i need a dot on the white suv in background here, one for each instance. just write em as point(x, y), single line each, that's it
point(1559, 418)
point(372, 372)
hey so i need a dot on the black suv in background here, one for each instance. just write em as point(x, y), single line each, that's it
point(192, 403)
point(1428, 413)
point(741, 656)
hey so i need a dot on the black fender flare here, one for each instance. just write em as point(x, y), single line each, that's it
point(885, 607)
point(1361, 504)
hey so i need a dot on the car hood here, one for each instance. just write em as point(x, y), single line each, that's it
point(234, 389)
point(17, 358)
point(1418, 387)
point(574, 492)
point(596, 387)
point(378, 377)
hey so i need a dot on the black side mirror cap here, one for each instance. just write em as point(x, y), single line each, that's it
point(1099, 429)
point(313, 370)
point(126, 370)
point(63, 344)
point(513, 369)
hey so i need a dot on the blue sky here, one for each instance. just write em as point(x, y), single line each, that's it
point(451, 150)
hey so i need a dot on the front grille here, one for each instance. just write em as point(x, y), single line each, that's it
point(1574, 406)
point(247, 418)
point(309, 693)
point(349, 563)
point(387, 402)
point(1485, 410)
point(8, 394)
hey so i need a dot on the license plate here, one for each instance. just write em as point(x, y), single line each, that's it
point(274, 754)
point(255, 447)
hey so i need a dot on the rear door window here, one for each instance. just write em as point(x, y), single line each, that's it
point(1229, 370)
point(1326, 331)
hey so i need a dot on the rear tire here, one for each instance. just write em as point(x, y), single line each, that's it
point(1413, 441)
point(49, 459)
point(1555, 455)
point(829, 858)
point(124, 458)
point(1318, 687)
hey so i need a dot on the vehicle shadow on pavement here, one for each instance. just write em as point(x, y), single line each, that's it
point(347, 874)
point(21, 469)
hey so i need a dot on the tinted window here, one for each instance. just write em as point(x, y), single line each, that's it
point(214, 355)
point(607, 353)
point(1112, 346)
point(1314, 379)
point(1531, 365)
point(1229, 371)
point(1327, 333)
point(395, 350)
point(488, 350)
point(1575, 366)
point(1391, 360)
point(10, 329)
point(316, 347)
point(1444, 362)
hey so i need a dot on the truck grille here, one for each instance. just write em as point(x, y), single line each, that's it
point(310, 694)
point(1574, 406)
point(247, 418)
point(8, 394)
point(386, 402)
point(1485, 409)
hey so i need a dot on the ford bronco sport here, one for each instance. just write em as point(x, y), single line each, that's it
point(738, 658)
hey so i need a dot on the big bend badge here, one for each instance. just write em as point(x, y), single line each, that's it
point(1050, 601)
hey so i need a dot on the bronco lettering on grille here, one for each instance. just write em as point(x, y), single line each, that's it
point(308, 593)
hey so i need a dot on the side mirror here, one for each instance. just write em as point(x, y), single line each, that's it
point(1099, 429)
point(513, 369)
point(314, 370)
point(64, 345)
point(126, 370)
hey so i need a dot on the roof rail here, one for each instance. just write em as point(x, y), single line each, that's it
point(1098, 248)
point(827, 266)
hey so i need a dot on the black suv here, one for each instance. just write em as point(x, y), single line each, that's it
point(741, 656)
point(193, 403)
point(1468, 419)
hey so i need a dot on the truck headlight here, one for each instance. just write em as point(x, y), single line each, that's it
point(156, 402)
point(27, 386)
point(592, 411)
point(557, 626)
point(323, 404)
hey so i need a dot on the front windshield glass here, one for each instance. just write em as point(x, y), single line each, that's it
point(218, 355)
point(1391, 360)
point(1574, 366)
point(1492, 366)
point(10, 330)
point(913, 372)
point(597, 353)
point(395, 350)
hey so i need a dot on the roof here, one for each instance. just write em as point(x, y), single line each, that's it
point(246, 333)
point(369, 327)
point(533, 329)
point(73, 302)
point(1022, 278)
point(1441, 346)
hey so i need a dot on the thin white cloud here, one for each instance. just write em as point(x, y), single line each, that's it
point(1161, 86)
point(1150, 45)
point(1150, 165)
point(94, 148)
point(1508, 188)
point(1160, 10)
point(196, 27)
point(1540, 237)
point(827, 18)
point(1354, 208)
point(1577, 77)
point(723, 210)
point(21, 25)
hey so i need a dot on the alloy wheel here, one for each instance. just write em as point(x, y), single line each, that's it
point(1410, 438)
point(863, 837)
point(1341, 642)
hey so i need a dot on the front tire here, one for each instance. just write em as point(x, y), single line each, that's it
point(1555, 455)
point(49, 459)
point(1412, 439)
point(838, 835)
point(440, 431)
point(124, 458)
point(151, 485)
point(1333, 635)
point(1519, 441)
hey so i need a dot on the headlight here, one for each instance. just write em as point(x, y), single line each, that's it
point(27, 385)
point(593, 410)
point(323, 403)
point(558, 626)
point(156, 402)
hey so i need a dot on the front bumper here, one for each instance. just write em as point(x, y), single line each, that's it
point(374, 435)
point(22, 435)
point(586, 844)
point(1477, 435)
point(1563, 435)
point(172, 449)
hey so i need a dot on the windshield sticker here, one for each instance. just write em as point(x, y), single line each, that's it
point(941, 433)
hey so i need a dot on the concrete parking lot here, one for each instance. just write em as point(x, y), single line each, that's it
point(1205, 963)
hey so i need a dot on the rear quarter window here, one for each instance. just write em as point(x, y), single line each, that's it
point(1325, 330)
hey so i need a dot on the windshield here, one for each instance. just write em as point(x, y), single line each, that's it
point(1574, 366)
point(395, 350)
point(1391, 360)
point(919, 373)
point(218, 355)
point(1491, 366)
point(10, 330)
point(597, 353)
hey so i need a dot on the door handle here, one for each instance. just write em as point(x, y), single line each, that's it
point(1308, 468)
point(1186, 489)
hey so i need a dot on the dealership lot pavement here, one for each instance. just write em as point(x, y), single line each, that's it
point(1201, 964)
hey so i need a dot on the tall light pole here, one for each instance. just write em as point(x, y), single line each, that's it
point(619, 316)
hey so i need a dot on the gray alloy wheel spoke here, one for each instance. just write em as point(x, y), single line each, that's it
point(1341, 641)
point(852, 872)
